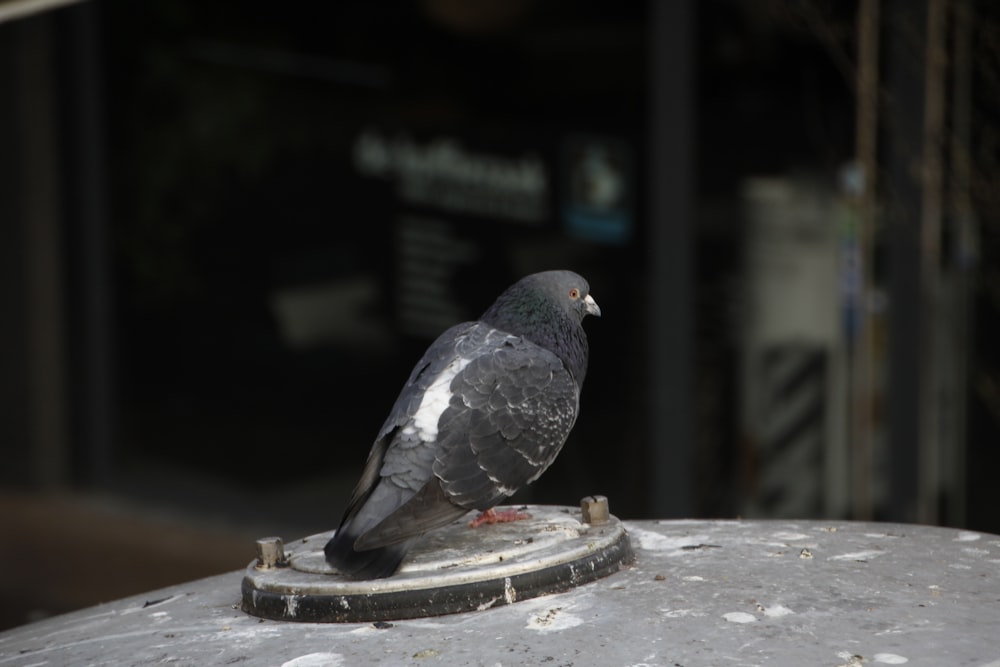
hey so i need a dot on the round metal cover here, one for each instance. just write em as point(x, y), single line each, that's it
point(452, 569)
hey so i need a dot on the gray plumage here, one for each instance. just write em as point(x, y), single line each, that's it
point(484, 412)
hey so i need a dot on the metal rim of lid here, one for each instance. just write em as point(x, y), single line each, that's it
point(290, 595)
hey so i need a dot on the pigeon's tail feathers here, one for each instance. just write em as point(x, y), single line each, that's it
point(429, 508)
point(368, 548)
point(368, 564)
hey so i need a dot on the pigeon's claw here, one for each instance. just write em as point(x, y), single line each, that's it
point(503, 516)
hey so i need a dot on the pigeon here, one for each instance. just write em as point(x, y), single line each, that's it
point(484, 412)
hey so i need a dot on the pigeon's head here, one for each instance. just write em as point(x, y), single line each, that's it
point(564, 290)
point(548, 308)
point(542, 300)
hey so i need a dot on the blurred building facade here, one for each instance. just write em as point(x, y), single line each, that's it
point(230, 228)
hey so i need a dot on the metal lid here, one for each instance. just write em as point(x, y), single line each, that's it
point(452, 569)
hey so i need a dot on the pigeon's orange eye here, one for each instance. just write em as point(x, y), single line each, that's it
point(574, 294)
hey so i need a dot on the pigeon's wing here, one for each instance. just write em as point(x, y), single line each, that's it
point(410, 459)
point(509, 407)
point(510, 413)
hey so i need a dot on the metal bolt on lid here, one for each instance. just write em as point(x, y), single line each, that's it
point(270, 553)
point(595, 510)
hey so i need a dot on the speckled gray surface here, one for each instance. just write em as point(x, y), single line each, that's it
point(700, 593)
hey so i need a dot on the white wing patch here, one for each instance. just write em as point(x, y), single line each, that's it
point(434, 402)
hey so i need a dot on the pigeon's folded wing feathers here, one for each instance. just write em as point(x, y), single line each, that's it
point(495, 436)
point(489, 448)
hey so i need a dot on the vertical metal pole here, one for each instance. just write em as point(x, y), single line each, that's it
point(966, 252)
point(94, 391)
point(36, 102)
point(866, 150)
point(671, 223)
point(906, 24)
point(930, 260)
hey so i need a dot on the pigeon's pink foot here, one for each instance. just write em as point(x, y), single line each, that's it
point(493, 516)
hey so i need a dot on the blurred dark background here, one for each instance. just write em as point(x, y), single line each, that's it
point(228, 230)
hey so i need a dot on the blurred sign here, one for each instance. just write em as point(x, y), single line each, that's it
point(599, 195)
point(442, 173)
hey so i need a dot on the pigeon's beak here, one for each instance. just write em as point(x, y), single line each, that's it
point(591, 305)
